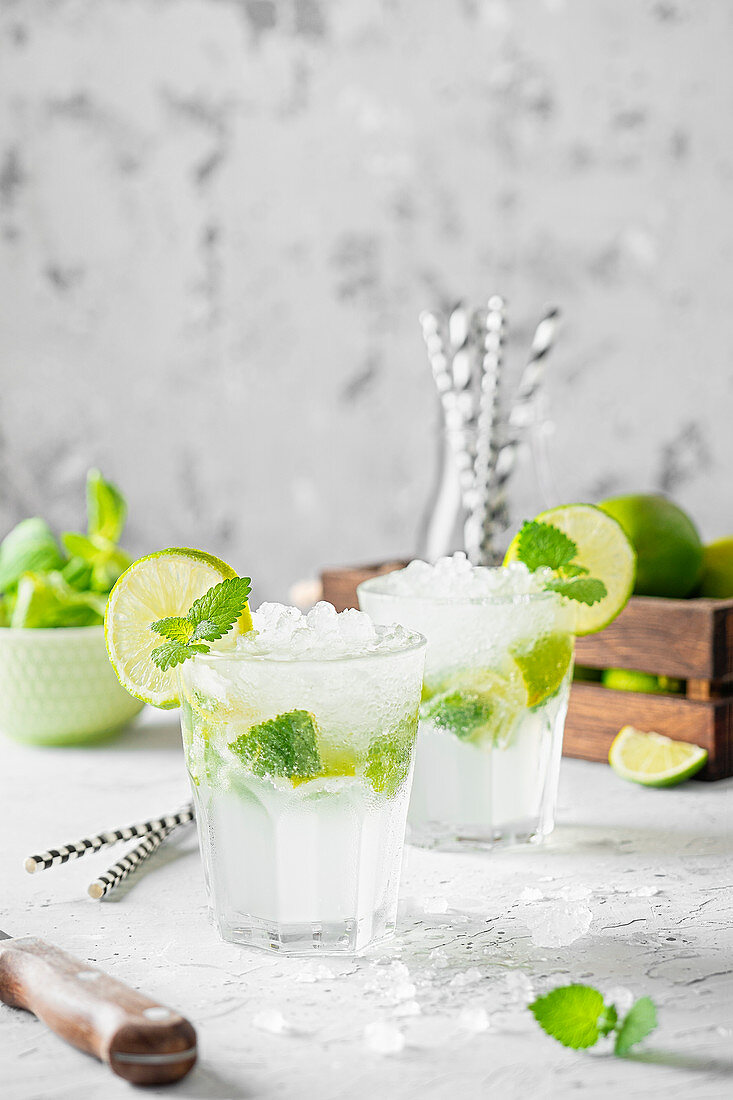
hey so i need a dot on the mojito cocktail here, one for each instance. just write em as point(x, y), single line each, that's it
point(299, 744)
point(497, 677)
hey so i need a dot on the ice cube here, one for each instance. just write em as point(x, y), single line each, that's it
point(407, 1008)
point(357, 629)
point(384, 1038)
point(518, 987)
point(474, 1018)
point(645, 892)
point(531, 893)
point(621, 997)
point(314, 972)
point(466, 977)
point(556, 924)
point(323, 618)
point(270, 1019)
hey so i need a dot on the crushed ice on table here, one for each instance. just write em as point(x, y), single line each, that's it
point(384, 1038)
point(390, 982)
point(455, 577)
point(621, 997)
point(285, 633)
point(518, 988)
point(314, 972)
point(407, 1008)
point(556, 923)
point(466, 977)
point(272, 1020)
point(474, 1018)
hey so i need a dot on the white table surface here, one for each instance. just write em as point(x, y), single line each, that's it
point(462, 940)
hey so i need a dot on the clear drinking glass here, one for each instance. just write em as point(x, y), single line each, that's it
point(497, 680)
point(301, 773)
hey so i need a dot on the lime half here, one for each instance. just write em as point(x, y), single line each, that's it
point(162, 584)
point(605, 551)
point(654, 760)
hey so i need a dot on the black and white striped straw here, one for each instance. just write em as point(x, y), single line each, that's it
point(65, 852)
point(130, 862)
point(484, 519)
point(523, 409)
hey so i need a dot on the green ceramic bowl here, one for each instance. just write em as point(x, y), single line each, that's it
point(57, 687)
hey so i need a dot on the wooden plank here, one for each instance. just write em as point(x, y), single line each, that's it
point(339, 585)
point(596, 714)
point(689, 639)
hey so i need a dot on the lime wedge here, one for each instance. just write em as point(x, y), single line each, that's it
point(654, 760)
point(604, 550)
point(162, 584)
point(544, 663)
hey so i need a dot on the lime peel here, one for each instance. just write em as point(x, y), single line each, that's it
point(653, 760)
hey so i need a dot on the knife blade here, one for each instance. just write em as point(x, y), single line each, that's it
point(139, 1039)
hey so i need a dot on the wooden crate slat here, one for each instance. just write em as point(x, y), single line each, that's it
point(689, 639)
point(596, 714)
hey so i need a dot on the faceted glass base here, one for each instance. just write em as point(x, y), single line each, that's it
point(444, 837)
point(348, 937)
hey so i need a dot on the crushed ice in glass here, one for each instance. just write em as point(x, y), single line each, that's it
point(455, 577)
point(282, 632)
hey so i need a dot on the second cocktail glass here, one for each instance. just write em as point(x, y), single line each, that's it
point(497, 679)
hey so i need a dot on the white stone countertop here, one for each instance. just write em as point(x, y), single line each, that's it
point(655, 869)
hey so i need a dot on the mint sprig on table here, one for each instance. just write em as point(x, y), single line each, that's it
point(210, 617)
point(577, 1016)
point(544, 546)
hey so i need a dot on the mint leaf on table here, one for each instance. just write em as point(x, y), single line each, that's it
point(29, 548)
point(285, 746)
point(577, 1017)
point(210, 617)
point(215, 613)
point(588, 590)
point(640, 1021)
point(542, 544)
point(570, 1014)
point(106, 508)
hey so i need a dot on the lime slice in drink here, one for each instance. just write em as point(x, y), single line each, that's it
point(654, 760)
point(604, 550)
point(544, 663)
point(162, 584)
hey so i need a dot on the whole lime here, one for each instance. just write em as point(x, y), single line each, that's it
point(668, 547)
point(717, 569)
point(624, 679)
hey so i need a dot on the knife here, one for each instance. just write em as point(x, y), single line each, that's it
point(139, 1039)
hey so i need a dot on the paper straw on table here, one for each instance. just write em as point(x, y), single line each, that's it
point(130, 862)
point(65, 852)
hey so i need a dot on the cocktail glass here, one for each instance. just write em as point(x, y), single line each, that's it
point(301, 771)
point(497, 679)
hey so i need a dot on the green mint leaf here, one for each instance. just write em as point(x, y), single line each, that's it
point(608, 1019)
point(542, 544)
point(574, 571)
point(106, 560)
point(640, 1021)
point(175, 653)
point(583, 589)
point(48, 600)
point(77, 573)
point(214, 614)
point(285, 746)
point(29, 548)
point(462, 713)
point(106, 508)
point(175, 629)
point(571, 1014)
point(388, 757)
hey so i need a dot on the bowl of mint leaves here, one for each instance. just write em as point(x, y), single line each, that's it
point(57, 686)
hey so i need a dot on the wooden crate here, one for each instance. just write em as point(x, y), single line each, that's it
point(688, 640)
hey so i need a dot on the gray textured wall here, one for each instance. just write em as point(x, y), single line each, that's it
point(219, 219)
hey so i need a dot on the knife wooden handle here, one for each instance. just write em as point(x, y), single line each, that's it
point(141, 1040)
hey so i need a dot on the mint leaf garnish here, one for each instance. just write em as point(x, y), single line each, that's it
point(175, 628)
point(175, 653)
point(211, 617)
point(542, 544)
point(577, 1017)
point(285, 746)
point(640, 1021)
point(462, 713)
point(587, 590)
point(214, 614)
